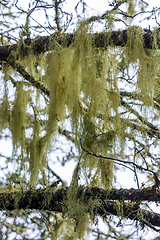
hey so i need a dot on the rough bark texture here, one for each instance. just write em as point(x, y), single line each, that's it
point(101, 204)
point(41, 44)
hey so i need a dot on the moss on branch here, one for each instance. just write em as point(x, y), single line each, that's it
point(98, 201)
point(103, 39)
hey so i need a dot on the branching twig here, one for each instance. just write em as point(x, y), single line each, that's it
point(123, 161)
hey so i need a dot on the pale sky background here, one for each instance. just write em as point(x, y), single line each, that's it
point(92, 8)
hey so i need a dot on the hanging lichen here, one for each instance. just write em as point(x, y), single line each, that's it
point(4, 110)
point(57, 106)
point(134, 47)
point(145, 62)
point(77, 209)
point(7, 70)
point(131, 7)
point(18, 116)
point(37, 152)
point(83, 84)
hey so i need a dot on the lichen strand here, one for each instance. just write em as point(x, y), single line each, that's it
point(37, 153)
point(7, 70)
point(146, 62)
point(77, 208)
point(62, 228)
point(83, 81)
point(83, 44)
point(146, 79)
point(4, 110)
point(56, 82)
point(95, 139)
point(18, 116)
point(105, 170)
point(74, 84)
point(131, 7)
point(34, 65)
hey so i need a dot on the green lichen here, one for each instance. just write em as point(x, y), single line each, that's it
point(18, 116)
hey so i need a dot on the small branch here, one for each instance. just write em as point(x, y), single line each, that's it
point(67, 134)
point(153, 129)
point(117, 160)
point(55, 174)
point(19, 68)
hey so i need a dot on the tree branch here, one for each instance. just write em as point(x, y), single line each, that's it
point(42, 44)
point(98, 201)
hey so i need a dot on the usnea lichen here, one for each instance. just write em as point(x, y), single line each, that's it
point(83, 84)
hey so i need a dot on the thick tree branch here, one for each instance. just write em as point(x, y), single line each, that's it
point(42, 44)
point(97, 200)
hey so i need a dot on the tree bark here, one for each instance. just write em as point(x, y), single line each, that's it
point(120, 202)
point(100, 40)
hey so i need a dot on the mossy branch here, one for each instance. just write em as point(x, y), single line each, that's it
point(103, 39)
point(101, 204)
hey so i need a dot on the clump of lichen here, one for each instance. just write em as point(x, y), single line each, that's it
point(77, 207)
point(18, 116)
point(145, 63)
point(134, 47)
point(131, 7)
point(83, 85)
point(4, 110)
point(37, 152)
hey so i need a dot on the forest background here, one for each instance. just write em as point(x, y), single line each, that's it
point(79, 88)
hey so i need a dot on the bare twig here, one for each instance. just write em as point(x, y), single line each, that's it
point(155, 176)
